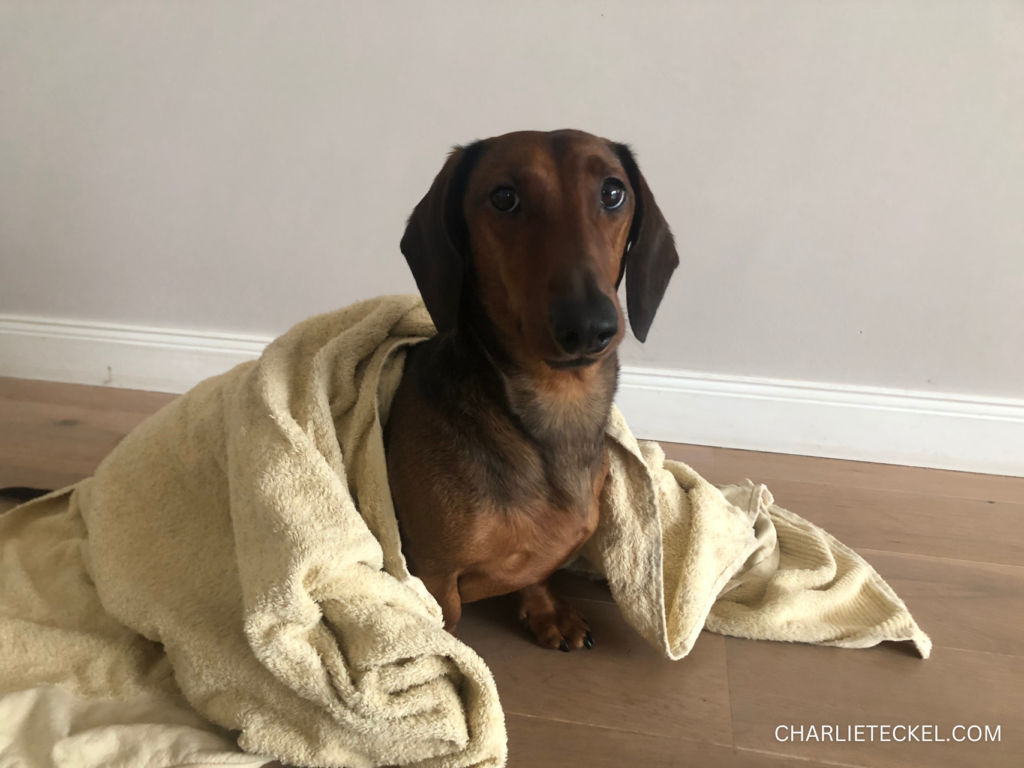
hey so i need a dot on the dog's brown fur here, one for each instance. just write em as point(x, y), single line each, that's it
point(495, 449)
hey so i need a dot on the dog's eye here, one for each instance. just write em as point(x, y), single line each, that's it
point(613, 193)
point(505, 199)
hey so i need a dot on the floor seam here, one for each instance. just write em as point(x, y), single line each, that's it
point(767, 481)
point(861, 551)
point(728, 692)
point(975, 650)
point(617, 730)
point(788, 756)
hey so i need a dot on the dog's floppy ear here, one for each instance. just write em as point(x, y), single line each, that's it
point(650, 256)
point(435, 239)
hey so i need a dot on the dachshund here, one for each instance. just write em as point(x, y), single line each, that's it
point(495, 439)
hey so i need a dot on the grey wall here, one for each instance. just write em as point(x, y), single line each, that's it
point(845, 179)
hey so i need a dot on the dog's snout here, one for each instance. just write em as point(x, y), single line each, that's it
point(584, 326)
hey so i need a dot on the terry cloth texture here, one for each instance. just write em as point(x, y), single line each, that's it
point(238, 555)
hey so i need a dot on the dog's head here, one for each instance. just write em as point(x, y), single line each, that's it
point(537, 230)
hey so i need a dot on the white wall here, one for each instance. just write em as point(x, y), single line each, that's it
point(845, 179)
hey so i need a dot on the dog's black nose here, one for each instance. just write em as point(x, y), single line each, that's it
point(584, 327)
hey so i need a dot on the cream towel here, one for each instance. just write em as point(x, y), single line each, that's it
point(681, 555)
point(239, 552)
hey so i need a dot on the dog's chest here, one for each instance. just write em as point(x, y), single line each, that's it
point(493, 482)
point(518, 547)
point(542, 518)
point(520, 476)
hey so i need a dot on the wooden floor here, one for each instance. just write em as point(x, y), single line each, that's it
point(951, 545)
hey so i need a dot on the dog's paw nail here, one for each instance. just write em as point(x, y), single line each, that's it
point(588, 640)
point(564, 646)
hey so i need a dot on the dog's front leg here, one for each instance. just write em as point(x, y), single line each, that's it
point(445, 589)
point(553, 622)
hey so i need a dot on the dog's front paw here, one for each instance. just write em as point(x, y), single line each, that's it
point(557, 625)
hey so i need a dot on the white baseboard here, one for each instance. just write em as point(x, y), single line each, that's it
point(123, 356)
point(920, 429)
point(975, 434)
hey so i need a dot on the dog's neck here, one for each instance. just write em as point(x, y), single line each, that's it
point(563, 412)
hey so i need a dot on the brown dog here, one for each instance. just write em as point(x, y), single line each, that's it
point(495, 441)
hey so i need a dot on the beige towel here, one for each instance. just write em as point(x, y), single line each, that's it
point(239, 552)
point(681, 555)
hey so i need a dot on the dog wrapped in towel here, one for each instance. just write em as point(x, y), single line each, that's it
point(238, 556)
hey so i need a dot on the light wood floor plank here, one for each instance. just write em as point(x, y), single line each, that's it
point(936, 526)
point(540, 743)
point(53, 435)
point(773, 684)
point(727, 465)
point(97, 398)
point(960, 604)
point(622, 683)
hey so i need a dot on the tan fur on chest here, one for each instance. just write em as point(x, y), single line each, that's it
point(505, 553)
